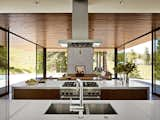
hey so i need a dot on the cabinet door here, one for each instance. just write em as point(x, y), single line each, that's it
point(125, 94)
point(36, 94)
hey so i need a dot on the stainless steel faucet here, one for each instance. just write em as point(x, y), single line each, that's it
point(80, 85)
point(74, 106)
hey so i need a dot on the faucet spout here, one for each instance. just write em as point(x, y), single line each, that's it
point(80, 91)
point(79, 107)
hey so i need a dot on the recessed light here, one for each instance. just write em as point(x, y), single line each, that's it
point(37, 2)
point(121, 2)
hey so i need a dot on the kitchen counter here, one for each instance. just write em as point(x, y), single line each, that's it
point(50, 84)
point(106, 90)
point(103, 84)
point(35, 109)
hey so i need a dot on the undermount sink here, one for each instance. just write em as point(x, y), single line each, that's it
point(59, 109)
point(90, 108)
point(100, 109)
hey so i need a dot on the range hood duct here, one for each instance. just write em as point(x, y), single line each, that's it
point(80, 25)
point(80, 20)
point(80, 49)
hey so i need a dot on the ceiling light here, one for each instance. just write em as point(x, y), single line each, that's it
point(121, 2)
point(64, 44)
point(96, 44)
point(37, 2)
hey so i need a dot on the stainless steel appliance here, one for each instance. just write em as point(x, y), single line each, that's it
point(91, 90)
point(85, 84)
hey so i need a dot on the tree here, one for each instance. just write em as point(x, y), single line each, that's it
point(132, 57)
point(135, 74)
point(146, 57)
point(61, 62)
point(121, 57)
point(156, 56)
point(3, 59)
point(39, 60)
point(57, 61)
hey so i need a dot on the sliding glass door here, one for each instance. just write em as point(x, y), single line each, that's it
point(156, 62)
point(3, 63)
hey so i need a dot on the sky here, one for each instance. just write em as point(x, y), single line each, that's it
point(140, 48)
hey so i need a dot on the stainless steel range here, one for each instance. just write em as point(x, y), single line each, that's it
point(90, 90)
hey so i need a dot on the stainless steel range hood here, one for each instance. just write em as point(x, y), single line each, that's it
point(80, 20)
point(79, 48)
point(80, 25)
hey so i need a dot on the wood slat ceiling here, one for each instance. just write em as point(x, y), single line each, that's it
point(116, 29)
point(43, 29)
point(112, 29)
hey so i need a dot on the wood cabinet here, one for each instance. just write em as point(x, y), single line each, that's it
point(106, 94)
point(36, 94)
point(125, 94)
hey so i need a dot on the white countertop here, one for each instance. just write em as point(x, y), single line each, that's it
point(35, 109)
point(103, 84)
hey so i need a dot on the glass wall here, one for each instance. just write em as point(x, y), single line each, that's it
point(140, 53)
point(22, 59)
point(156, 63)
point(3, 62)
point(39, 62)
point(121, 55)
point(103, 60)
point(98, 61)
point(110, 61)
point(120, 59)
point(56, 63)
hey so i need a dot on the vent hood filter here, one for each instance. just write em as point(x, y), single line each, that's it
point(80, 43)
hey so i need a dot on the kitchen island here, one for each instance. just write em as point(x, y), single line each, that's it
point(35, 110)
point(107, 90)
